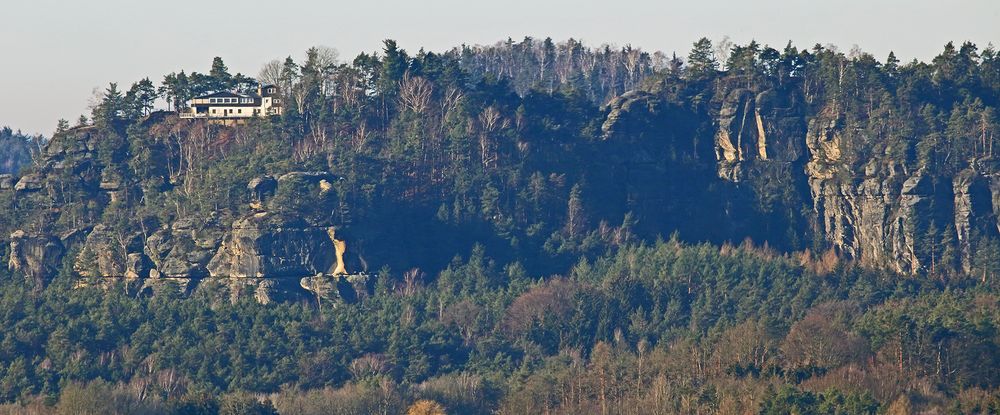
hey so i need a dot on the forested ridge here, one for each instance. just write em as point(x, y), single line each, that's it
point(532, 227)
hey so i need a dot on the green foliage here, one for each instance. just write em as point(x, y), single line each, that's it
point(788, 400)
point(17, 149)
point(526, 217)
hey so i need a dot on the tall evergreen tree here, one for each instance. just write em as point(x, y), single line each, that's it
point(701, 60)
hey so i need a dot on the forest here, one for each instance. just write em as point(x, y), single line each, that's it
point(549, 227)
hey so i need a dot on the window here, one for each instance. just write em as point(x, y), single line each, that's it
point(211, 100)
point(240, 110)
point(213, 110)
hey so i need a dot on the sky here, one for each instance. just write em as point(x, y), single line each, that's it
point(54, 54)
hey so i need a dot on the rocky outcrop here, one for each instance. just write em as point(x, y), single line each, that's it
point(323, 287)
point(108, 252)
point(261, 189)
point(873, 218)
point(891, 217)
point(184, 249)
point(976, 197)
point(273, 245)
point(30, 183)
point(865, 204)
point(348, 288)
point(36, 256)
point(261, 290)
point(794, 177)
point(85, 170)
point(623, 112)
point(310, 177)
point(756, 126)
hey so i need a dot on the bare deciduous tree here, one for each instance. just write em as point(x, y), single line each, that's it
point(270, 73)
point(415, 93)
point(490, 122)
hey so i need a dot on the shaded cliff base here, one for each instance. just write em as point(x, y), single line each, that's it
point(323, 289)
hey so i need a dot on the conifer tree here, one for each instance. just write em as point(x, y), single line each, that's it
point(701, 60)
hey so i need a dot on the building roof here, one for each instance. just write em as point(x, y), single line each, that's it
point(223, 94)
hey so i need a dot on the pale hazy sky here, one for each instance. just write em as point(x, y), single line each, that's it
point(53, 53)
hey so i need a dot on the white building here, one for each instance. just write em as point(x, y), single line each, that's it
point(230, 105)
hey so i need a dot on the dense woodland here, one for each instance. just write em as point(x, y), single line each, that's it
point(526, 260)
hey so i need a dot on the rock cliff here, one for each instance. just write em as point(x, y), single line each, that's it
point(265, 254)
point(781, 166)
point(267, 244)
point(37, 257)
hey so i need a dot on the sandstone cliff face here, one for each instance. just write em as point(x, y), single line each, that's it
point(264, 254)
point(757, 126)
point(348, 287)
point(267, 244)
point(871, 208)
point(38, 257)
point(184, 248)
point(111, 253)
point(777, 160)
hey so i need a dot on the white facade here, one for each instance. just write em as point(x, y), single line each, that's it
point(230, 105)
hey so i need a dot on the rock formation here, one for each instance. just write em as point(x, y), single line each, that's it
point(776, 161)
point(267, 244)
point(36, 256)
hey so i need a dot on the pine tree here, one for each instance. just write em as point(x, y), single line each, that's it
point(220, 77)
point(701, 60)
point(891, 64)
point(112, 109)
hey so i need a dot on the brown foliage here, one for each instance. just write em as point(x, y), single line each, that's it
point(425, 407)
point(463, 315)
point(552, 300)
point(820, 264)
point(747, 345)
point(821, 340)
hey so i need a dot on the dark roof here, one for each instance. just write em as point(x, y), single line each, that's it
point(228, 104)
point(221, 94)
point(264, 89)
